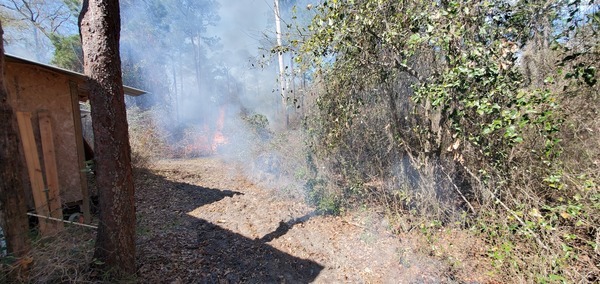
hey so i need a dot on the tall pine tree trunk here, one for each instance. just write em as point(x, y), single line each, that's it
point(13, 210)
point(99, 25)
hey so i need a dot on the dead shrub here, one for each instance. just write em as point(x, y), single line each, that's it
point(147, 137)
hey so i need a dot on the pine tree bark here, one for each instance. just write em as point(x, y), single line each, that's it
point(99, 26)
point(13, 210)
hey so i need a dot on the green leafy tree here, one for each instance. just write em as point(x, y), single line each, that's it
point(67, 52)
point(44, 19)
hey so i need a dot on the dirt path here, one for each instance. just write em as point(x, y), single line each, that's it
point(201, 221)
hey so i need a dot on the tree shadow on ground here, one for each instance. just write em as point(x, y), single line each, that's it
point(174, 247)
point(284, 227)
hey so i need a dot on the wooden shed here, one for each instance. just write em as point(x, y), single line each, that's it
point(46, 100)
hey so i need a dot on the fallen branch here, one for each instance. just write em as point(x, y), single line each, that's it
point(354, 224)
point(458, 190)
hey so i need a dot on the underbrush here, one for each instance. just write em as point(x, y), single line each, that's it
point(537, 221)
point(531, 204)
point(451, 121)
point(147, 136)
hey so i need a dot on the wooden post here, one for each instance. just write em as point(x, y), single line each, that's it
point(35, 172)
point(85, 194)
point(49, 154)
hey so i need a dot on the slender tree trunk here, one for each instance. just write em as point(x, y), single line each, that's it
point(196, 45)
point(13, 210)
point(38, 45)
point(181, 78)
point(99, 25)
point(175, 93)
point(282, 84)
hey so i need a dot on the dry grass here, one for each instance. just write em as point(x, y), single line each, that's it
point(147, 138)
point(62, 258)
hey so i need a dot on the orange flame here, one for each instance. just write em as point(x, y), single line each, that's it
point(201, 142)
point(219, 139)
point(198, 143)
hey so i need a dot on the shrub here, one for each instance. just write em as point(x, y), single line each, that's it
point(147, 137)
point(453, 112)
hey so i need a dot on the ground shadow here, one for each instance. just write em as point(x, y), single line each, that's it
point(174, 247)
point(284, 227)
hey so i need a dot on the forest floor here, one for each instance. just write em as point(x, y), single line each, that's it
point(202, 221)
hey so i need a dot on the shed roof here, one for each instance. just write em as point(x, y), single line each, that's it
point(76, 75)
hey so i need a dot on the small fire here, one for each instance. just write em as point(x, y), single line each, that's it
point(202, 142)
point(219, 139)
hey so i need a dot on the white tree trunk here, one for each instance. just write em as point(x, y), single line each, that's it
point(282, 84)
